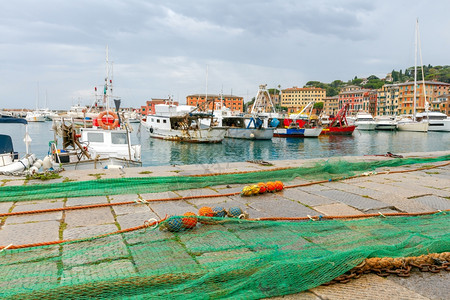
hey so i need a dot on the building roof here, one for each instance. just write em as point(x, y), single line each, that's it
point(213, 96)
point(426, 82)
point(303, 89)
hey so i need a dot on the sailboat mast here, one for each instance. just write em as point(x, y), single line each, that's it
point(105, 89)
point(426, 105)
point(415, 69)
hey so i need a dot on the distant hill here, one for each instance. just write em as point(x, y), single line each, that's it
point(437, 73)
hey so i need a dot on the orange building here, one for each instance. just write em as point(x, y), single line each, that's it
point(234, 103)
point(149, 108)
point(433, 90)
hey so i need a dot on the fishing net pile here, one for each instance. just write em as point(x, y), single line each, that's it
point(218, 258)
point(329, 170)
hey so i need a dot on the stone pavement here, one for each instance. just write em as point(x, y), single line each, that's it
point(418, 191)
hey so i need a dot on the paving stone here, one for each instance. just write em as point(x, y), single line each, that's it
point(359, 202)
point(307, 295)
point(435, 202)
point(88, 231)
point(162, 257)
point(172, 208)
point(161, 195)
point(123, 198)
point(87, 217)
point(5, 207)
point(306, 198)
point(367, 287)
point(29, 255)
point(12, 182)
point(135, 219)
point(94, 251)
point(199, 202)
point(337, 209)
point(130, 209)
point(22, 278)
point(315, 187)
point(29, 233)
point(386, 188)
point(431, 285)
point(122, 268)
point(147, 236)
point(86, 200)
point(197, 192)
point(283, 208)
point(420, 190)
point(50, 216)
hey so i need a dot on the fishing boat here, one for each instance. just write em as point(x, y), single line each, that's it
point(339, 125)
point(249, 126)
point(365, 121)
point(414, 124)
point(385, 123)
point(183, 124)
point(10, 162)
point(300, 125)
point(103, 144)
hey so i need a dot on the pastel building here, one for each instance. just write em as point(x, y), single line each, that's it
point(387, 100)
point(331, 105)
point(233, 102)
point(149, 107)
point(433, 91)
point(296, 98)
point(354, 96)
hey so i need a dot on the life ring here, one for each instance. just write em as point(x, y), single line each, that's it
point(107, 125)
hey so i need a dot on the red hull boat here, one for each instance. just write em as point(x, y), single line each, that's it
point(339, 124)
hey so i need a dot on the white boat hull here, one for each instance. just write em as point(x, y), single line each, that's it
point(365, 125)
point(313, 132)
point(209, 135)
point(102, 163)
point(250, 133)
point(439, 125)
point(413, 126)
point(17, 165)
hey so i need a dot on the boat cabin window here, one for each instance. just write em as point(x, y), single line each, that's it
point(95, 137)
point(118, 137)
point(6, 145)
point(164, 121)
point(158, 121)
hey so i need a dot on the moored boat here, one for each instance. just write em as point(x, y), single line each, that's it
point(385, 123)
point(339, 125)
point(183, 124)
point(10, 162)
point(437, 121)
point(365, 121)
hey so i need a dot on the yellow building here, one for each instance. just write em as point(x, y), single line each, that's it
point(331, 105)
point(296, 98)
point(387, 100)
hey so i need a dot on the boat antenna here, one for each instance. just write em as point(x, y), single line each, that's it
point(426, 104)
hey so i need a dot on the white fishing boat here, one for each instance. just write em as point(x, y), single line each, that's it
point(10, 162)
point(385, 123)
point(35, 116)
point(414, 124)
point(182, 123)
point(365, 121)
point(105, 143)
point(437, 121)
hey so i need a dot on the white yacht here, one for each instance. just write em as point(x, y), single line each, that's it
point(437, 121)
point(365, 121)
point(182, 123)
point(385, 123)
point(35, 116)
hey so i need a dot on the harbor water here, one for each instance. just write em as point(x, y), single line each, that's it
point(158, 152)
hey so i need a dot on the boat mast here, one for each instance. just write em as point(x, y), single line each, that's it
point(426, 104)
point(415, 69)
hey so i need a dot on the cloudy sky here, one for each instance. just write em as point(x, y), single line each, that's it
point(52, 53)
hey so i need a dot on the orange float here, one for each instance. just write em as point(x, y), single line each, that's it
point(262, 187)
point(270, 186)
point(190, 221)
point(105, 124)
point(278, 186)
